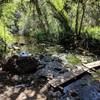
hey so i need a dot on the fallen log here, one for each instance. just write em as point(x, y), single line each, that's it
point(57, 81)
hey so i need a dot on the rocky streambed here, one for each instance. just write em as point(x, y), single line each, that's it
point(35, 86)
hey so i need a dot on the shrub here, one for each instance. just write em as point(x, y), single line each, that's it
point(40, 36)
point(4, 34)
point(94, 32)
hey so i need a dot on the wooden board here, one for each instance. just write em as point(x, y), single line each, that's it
point(92, 65)
point(72, 74)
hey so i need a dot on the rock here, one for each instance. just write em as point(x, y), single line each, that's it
point(73, 93)
point(16, 90)
point(50, 69)
point(45, 58)
point(58, 94)
point(61, 58)
point(22, 96)
point(50, 93)
point(21, 65)
point(10, 65)
point(29, 93)
point(15, 77)
point(3, 75)
point(4, 97)
point(15, 48)
point(41, 97)
point(27, 65)
point(55, 94)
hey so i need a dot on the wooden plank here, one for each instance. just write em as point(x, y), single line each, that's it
point(92, 65)
point(72, 74)
point(64, 78)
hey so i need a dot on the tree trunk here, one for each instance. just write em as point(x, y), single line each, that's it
point(46, 21)
point(77, 18)
point(59, 15)
point(82, 18)
point(36, 3)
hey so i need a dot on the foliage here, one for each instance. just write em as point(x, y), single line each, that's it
point(7, 12)
point(59, 4)
point(4, 34)
point(96, 75)
point(51, 20)
point(94, 32)
point(40, 36)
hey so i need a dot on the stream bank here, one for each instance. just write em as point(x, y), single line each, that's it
point(34, 86)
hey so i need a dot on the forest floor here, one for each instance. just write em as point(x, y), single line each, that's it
point(34, 86)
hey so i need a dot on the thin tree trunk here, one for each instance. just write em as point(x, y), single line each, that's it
point(77, 18)
point(76, 25)
point(5, 47)
point(46, 21)
point(82, 18)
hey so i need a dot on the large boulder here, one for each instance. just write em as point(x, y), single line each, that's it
point(21, 65)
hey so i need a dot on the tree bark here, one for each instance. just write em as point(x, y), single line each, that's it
point(77, 18)
point(59, 15)
point(82, 18)
point(42, 25)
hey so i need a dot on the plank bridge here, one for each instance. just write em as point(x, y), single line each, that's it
point(68, 76)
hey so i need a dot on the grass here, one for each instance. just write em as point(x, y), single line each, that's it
point(96, 75)
point(73, 59)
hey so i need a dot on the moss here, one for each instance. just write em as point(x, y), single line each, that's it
point(73, 59)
